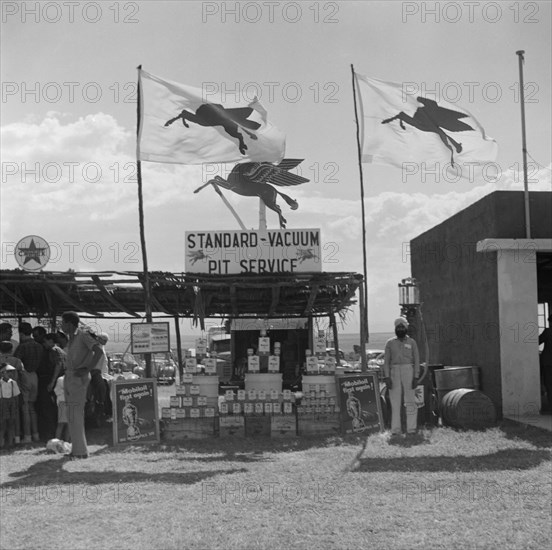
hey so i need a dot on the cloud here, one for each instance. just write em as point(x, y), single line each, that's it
point(74, 183)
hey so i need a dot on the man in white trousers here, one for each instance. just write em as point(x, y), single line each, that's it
point(401, 368)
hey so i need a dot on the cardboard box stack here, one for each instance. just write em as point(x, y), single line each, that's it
point(259, 410)
point(318, 409)
point(193, 409)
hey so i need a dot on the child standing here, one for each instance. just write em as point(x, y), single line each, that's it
point(62, 428)
point(9, 401)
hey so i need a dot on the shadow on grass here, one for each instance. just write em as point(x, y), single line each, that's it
point(216, 450)
point(253, 447)
point(207, 450)
point(539, 437)
point(234, 449)
point(52, 473)
point(508, 459)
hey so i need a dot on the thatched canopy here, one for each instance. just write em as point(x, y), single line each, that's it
point(198, 296)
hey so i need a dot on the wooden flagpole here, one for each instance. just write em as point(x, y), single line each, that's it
point(364, 333)
point(520, 53)
point(262, 215)
point(147, 286)
point(229, 206)
point(224, 200)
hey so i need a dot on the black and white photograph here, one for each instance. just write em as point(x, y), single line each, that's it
point(317, 234)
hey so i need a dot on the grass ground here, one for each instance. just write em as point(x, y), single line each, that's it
point(447, 489)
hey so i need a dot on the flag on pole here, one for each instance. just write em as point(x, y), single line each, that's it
point(399, 128)
point(179, 125)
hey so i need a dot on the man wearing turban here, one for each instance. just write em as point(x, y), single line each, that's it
point(401, 368)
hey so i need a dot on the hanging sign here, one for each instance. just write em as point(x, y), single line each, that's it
point(236, 252)
point(201, 346)
point(150, 337)
point(359, 403)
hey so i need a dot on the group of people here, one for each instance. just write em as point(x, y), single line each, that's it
point(44, 380)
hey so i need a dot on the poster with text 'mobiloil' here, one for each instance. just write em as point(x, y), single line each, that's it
point(359, 403)
point(135, 411)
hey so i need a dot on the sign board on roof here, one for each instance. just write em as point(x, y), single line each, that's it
point(32, 253)
point(290, 323)
point(237, 252)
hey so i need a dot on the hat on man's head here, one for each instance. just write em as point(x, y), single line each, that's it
point(5, 367)
point(401, 321)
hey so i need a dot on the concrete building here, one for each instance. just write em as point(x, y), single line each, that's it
point(486, 292)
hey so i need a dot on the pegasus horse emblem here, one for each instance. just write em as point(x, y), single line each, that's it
point(433, 118)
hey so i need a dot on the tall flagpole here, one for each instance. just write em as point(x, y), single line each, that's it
point(147, 286)
point(364, 333)
point(520, 53)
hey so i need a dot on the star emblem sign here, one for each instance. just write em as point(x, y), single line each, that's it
point(32, 253)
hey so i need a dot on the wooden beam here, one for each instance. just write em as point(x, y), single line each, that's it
point(275, 300)
point(105, 294)
point(178, 346)
point(147, 285)
point(312, 298)
point(234, 300)
point(49, 301)
point(158, 305)
point(14, 297)
point(78, 306)
point(335, 337)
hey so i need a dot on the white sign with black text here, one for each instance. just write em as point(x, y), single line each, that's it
point(150, 337)
point(236, 252)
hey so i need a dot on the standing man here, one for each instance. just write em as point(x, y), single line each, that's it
point(97, 382)
point(6, 333)
point(401, 368)
point(83, 352)
point(57, 359)
point(31, 354)
point(45, 401)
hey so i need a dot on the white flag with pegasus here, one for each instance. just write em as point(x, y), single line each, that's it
point(179, 125)
point(398, 128)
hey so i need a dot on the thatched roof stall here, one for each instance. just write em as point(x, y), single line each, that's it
point(196, 296)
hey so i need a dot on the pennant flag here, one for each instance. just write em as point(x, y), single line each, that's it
point(179, 125)
point(399, 128)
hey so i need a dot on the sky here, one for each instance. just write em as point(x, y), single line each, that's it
point(68, 122)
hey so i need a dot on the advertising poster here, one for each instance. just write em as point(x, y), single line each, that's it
point(359, 403)
point(150, 337)
point(135, 412)
point(32, 253)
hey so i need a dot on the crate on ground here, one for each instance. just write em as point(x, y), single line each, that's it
point(283, 426)
point(189, 428)
point(318, 424)
point(256, 426)
point(231, 426)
